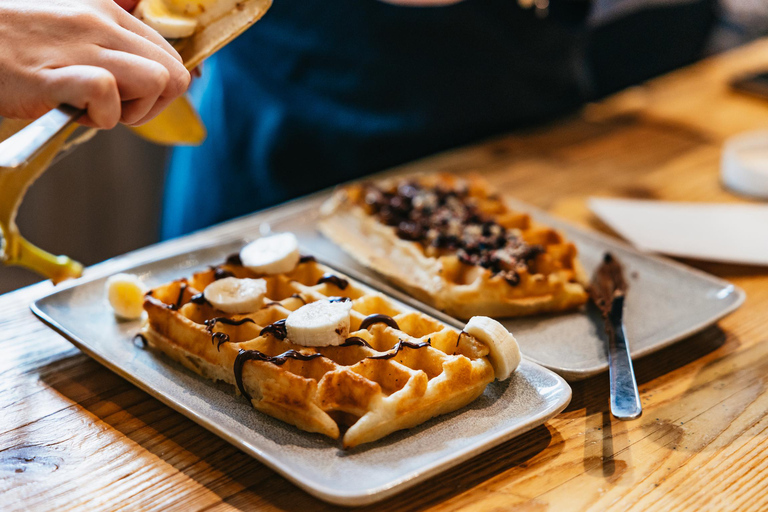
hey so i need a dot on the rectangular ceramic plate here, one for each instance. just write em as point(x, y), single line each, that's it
point(315, 463)
point(666, 302)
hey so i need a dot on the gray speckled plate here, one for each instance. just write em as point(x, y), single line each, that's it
point(317, 464)
point(666, 302)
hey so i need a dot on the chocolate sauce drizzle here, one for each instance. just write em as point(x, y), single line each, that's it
point(221, 273)
point(220, 338)
point(306, 258)
point(353, 341)
point(234, 259)
point(280, 303)
point(334, 280)
point(378, 319)
point(139, 339)
point(462, 333)
point(199, 299)
point(276, 329)
point(399, 346)
point(255, 355)
point(177, 304)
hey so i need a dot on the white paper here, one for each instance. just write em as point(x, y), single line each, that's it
point(730, 233)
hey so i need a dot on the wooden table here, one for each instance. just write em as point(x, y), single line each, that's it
point(74, 435)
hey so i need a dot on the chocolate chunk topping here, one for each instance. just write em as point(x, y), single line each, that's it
point(378, 319)
point(450, 221)
point(306, 258)
point(339, 299)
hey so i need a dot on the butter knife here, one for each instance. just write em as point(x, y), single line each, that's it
point(24, 145)
point(608, 291)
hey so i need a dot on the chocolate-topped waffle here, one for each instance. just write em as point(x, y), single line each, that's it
point(387, 368)
point(454, 243)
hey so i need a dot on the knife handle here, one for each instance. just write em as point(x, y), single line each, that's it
point(24, 145)
point(625, 398)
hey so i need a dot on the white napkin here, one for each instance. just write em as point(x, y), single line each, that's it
point(730, 233)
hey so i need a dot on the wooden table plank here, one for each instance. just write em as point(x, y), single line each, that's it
point(73, 435)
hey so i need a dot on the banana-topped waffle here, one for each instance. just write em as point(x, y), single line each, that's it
point(454, 243)
point(312, 347)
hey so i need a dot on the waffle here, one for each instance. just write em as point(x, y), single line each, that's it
point(453, 243)
point(399, 371)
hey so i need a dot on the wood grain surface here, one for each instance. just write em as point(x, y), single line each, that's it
point(75, 436)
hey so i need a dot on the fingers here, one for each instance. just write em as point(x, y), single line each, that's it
point(143, 84)
point(140, 72)
point(178, 78)
point(91, 88)
point(138, 27)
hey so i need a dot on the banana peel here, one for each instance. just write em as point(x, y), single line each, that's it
point(178, 124)
point(14, 183)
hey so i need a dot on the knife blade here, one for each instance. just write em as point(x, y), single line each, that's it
point(608, 291)
point(21, 147)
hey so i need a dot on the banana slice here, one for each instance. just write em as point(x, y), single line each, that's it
point(275, 254)
point(161, 17)
point(125, 293)
point(236, 296)
point(504, 353)
point(319, 324)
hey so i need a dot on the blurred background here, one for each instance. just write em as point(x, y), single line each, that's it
point(104, 199)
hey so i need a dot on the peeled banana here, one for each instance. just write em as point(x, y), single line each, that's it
point(125, 293)
point(322, 323)
point(504, 353)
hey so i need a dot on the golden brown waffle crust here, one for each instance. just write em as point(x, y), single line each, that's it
point(405, 263)
point(345, 387)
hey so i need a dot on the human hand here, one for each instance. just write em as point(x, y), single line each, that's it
point(90, 54)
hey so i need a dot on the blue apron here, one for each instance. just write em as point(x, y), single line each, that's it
point(319, 92)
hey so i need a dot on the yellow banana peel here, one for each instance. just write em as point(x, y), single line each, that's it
point(178, 124)
point(13, 185)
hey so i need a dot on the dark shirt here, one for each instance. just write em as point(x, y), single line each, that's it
point(317, 93)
